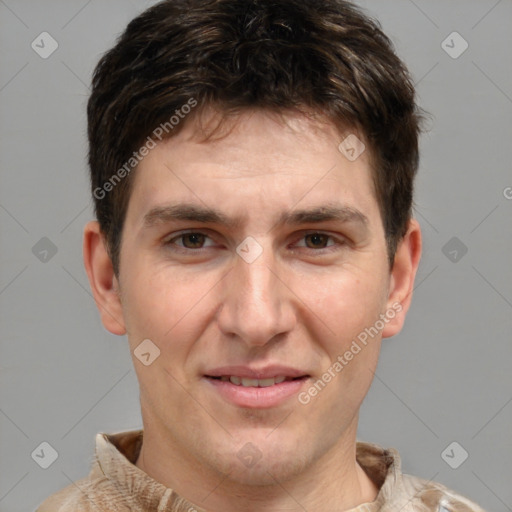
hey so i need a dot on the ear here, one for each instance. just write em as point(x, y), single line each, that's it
point(103, 282)
point(401, 284)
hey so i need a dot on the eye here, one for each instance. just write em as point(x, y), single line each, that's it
point(317, 240)
point(191, 240)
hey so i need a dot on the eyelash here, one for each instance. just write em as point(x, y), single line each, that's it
point(323, 250)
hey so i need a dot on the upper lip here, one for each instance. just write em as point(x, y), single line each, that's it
point(247, 372)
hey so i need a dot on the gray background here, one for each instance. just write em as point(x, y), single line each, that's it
point(445, 378)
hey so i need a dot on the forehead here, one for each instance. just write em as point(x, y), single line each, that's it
point(262, 160)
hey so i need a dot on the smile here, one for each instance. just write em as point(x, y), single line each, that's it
point(255, 383)
point(254, 393)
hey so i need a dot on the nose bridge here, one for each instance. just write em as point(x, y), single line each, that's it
point(258, 287)
point(256, 306)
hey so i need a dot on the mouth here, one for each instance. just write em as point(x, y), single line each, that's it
point(256, 393)
point(255, 383)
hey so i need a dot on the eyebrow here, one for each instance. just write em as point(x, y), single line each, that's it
point(195, 213)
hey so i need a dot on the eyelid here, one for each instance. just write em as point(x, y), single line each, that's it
point(167, 240)
point(320, 232)
point(338, 239)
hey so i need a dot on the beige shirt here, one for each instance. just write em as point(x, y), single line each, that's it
point(115, 484)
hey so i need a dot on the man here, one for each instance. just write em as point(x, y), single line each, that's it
point(252, 166)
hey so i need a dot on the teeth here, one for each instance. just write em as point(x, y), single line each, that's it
point(263, 383)
point(249, 382)
point(255, 383)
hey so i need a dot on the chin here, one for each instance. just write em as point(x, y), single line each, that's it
point(260, 462)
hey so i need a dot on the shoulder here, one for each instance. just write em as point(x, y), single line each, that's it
point(88, 494)
point(109, 481)
point(404, 492)
point(67, 499)
point(429, 496)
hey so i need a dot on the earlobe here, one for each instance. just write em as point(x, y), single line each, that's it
point(102, 280)
point(403, 273)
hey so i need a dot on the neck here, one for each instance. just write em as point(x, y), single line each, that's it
point(335, 481)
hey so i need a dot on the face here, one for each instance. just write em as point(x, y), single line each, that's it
point(253, 263)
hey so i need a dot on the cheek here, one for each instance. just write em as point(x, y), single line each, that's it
point(346, 302)
point(158, 301)
point(163, 306)
point(349, 304)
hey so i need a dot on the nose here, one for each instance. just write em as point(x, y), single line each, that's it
point(257, 305)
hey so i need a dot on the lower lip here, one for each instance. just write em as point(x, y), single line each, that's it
point(256, 397)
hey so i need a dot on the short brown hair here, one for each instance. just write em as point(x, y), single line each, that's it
point(323, 56)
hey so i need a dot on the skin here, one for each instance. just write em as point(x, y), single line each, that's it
point(300, 303)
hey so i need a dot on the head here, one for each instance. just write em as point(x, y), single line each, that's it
point(248, 112)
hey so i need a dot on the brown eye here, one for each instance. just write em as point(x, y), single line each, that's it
point(189, 242)
point(318, 240)
point(316, 243)
point(196, 240)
